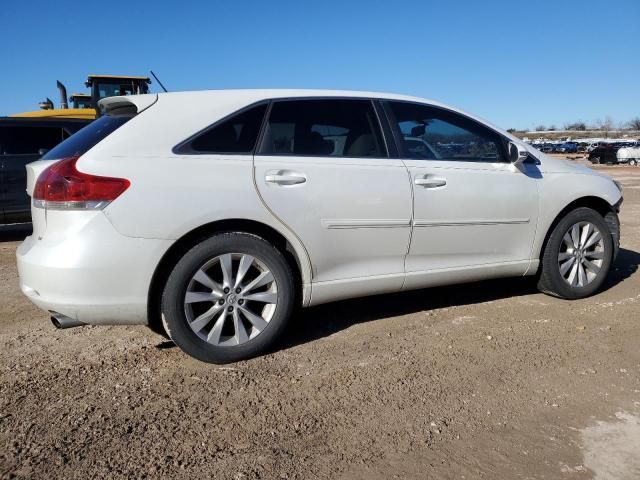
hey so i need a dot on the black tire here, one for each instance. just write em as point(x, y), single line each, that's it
point(595, 160)
point(550, 279)
point(174, 317)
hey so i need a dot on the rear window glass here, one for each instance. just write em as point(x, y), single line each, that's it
point(237, 134)
point(87, 137)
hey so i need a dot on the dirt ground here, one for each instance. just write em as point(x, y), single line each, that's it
point(490, 380)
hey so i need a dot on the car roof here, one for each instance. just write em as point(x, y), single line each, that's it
point(205, 99)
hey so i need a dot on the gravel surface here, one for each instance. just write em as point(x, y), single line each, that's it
point(489, 380)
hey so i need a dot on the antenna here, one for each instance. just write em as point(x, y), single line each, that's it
point(158, 80)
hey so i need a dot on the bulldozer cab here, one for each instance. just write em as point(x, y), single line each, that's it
point(80, 100)
point(113, 85)
point(85, 105)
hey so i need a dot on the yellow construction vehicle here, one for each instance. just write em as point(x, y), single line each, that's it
point(85, 105)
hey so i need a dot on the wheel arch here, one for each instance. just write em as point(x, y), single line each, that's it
point(600, 205)
point(298, 261)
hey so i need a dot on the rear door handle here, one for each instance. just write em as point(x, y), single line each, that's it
point(430, 182)
point(282, 178)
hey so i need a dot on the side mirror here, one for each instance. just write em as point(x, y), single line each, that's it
point(517, 154)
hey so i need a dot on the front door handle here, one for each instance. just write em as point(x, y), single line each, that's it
point(430, 182)
point(285, 178)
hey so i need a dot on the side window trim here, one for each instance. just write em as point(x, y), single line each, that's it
point(184, 147)
point(399, 139)
point(385, 129)
point(260, 147)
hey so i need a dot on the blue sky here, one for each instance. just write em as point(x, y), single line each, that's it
point(515, 63)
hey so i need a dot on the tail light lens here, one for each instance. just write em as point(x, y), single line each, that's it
point(63, 187)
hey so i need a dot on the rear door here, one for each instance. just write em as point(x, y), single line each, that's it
point(323, 170)
point(24, 144)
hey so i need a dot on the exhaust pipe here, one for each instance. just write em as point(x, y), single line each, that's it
point(63, 95)
point(62, 321)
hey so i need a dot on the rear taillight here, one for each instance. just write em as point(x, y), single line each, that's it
point(63, 187)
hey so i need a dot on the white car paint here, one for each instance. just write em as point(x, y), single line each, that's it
point(356, 227)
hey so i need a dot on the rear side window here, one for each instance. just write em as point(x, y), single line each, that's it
point(28, 140)
point(328, 128)
point(236, 134)
point(83, 140)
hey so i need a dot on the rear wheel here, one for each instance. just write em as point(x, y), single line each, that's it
point(228, 299)
point(578, 255)
point(595, 160)
point(633, 162)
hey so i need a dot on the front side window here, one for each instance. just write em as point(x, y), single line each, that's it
point(429, 133)
point(237, 134)
point(328, 128)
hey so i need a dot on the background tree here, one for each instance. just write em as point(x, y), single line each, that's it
point(577, 126)
point(634, 123)
point(540, 128)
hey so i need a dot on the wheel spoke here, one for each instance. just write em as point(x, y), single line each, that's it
point(245, 264)
point(573, 274)
point(258, 322)
point(593, 239)
point(216, 331)
point(241, 332)
point(575, 235)
point(595, 255)
point(265, 297)
point(586, 231)
point(204, 319)
point(207, 281)
point(564, 268)
point(592, 267)
point(196, 297)
point(567, 240)
point(564, 256)
point(581, 275)
point(259, 281)
point(227, 270)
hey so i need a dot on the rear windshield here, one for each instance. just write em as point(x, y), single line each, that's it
point(87, 137)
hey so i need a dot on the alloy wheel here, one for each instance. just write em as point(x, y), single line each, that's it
point(230, 299)
point(581, 254)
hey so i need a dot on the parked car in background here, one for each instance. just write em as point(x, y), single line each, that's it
point(22, 141)
point(212, 215)
point(567, 147)
point(630, 155)
point(604, 153)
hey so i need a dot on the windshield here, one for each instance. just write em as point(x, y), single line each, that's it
point(87, 137)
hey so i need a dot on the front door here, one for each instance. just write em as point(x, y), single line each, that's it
point(323, 170)
point(472, 209)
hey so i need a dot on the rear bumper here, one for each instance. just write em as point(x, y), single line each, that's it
point(90, 272)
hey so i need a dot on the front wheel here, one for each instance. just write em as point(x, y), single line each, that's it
point(633, 162)
point(577, 256)
point(228, 299)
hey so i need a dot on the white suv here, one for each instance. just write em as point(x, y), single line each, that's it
point(212, 215)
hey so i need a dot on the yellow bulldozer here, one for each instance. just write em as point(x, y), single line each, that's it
point(85, 105)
